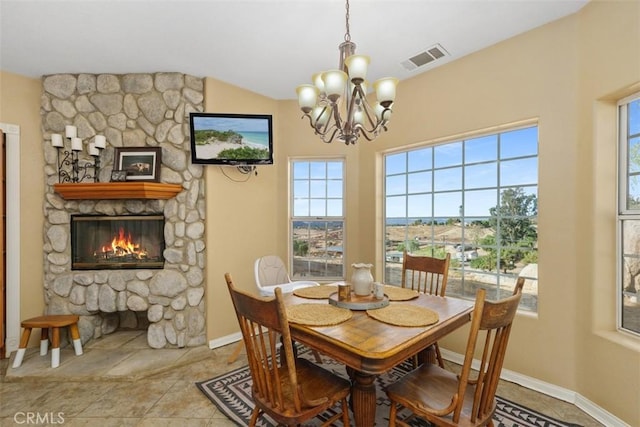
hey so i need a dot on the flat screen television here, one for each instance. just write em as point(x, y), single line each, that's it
point(231, 139)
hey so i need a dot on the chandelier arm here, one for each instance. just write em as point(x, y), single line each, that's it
point(366, 135)
point(349, 125)
point(375, 124)
point(332, 136)
point(336, 118)
point(308, 117)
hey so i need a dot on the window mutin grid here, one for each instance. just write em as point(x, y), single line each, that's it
point(447, 197)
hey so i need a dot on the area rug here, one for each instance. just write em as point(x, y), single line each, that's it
point(231, 393)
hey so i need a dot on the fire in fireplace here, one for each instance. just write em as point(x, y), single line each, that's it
point(117, 242)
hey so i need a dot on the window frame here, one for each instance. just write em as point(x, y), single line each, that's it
point(315, 218)
point(465, 191)
point(623, 211)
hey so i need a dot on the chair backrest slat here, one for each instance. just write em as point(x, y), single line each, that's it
point(425, 274)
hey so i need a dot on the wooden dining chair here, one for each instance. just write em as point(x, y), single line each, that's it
point(426, 275)
point(294, 390)
point(447, 399)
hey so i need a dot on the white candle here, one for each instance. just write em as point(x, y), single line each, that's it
point(76, 144)
point(100, 141)
point(93, 151)
point(56, 140)
point(70, 131)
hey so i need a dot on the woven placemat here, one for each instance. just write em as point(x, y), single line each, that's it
point(317, 314)
point(316, 292)
point(404, 315)
point(399, 294)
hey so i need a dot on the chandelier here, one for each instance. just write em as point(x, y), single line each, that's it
point(336, 103)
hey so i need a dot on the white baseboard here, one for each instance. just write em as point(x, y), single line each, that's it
point(601, 415)
point(222, 341)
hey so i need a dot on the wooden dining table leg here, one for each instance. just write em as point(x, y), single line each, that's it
point(363, 398)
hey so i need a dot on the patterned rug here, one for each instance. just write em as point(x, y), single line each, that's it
point(231, 393)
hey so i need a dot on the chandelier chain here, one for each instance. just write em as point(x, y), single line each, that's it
point(347, 35)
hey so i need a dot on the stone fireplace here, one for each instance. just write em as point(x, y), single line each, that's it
point(107, 285)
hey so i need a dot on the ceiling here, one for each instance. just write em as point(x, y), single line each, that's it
point(266, 46)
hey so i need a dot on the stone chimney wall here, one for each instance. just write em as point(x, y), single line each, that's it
point(131, 110)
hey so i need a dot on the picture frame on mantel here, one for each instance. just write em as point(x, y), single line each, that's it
point(118, 176)
point(140, 163)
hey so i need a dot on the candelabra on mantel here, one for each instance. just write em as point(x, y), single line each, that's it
point(69, 168)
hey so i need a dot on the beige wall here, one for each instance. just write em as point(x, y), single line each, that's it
point(609, 360)
point(20, 105)
point(566, 75)
point(241, 212)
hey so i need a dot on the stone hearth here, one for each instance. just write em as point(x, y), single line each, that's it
point(131, 110)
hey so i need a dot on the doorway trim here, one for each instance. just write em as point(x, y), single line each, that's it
point(13, 236)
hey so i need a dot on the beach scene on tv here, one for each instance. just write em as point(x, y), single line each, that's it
point(231, 138)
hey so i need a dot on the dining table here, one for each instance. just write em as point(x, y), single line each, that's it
point(370, 347)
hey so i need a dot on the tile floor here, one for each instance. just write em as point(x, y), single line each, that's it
point(120, 381)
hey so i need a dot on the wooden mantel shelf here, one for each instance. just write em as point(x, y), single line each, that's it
point(117, 190)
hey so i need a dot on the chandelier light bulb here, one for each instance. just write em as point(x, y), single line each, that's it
point(316, 79)
point(382, 113)
point(307, 97)
point(320, 116)
point(358, 117)
point(386, 90)
point(335, 82)
point(357, 68)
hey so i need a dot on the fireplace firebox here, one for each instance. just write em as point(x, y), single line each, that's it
point(117, 242)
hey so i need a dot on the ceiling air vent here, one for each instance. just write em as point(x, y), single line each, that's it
point(429, 55)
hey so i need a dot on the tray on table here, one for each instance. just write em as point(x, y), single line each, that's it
point(358, 302)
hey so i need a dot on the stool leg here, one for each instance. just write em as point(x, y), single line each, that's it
point(55, 348)
point(44, 341)
point(77, 342)
point(23, 347)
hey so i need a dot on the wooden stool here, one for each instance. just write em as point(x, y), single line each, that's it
point(55, 322)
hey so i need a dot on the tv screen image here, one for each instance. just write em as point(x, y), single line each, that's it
point(231, 139)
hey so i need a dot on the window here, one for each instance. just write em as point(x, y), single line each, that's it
point(476, 199)
point(317, 219)
point(629, 213)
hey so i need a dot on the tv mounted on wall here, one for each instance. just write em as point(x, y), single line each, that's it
point(231, 139)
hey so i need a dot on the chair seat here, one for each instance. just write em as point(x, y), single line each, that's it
point(435, 385)
point(269, 291)
point(316, 383)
